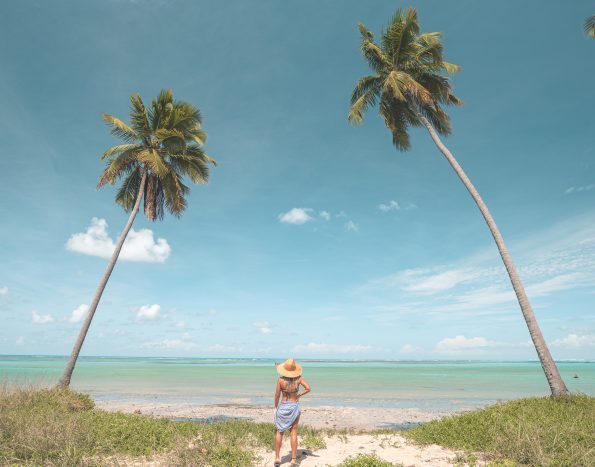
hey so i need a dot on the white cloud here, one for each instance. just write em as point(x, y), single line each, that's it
point(561, 282)
point(78, 313)
point(264, 327)
point(316, 348)
point(578, 189)
point(296, 216)
point(148, 311)
point(409, 348)
point(20, 340)
point(437, 282)
point(325, 215)
point(351, 226)
point(425, 281)
point(392, 205)
point(3, 291)
point(462, 344)
point(41, 319)
point(575, 341)
point(170, 344)
point(139, 246)
point(221, 348)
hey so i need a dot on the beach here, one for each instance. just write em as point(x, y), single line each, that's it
point(358, 407)
point(430, 387)
point(335, 417)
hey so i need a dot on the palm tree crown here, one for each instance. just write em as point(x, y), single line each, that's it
point(165, 141)
point(407, 80)
point(590, 26)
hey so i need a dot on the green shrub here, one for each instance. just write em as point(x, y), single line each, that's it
point(535, 431)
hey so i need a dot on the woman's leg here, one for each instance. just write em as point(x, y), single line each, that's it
point(278, 441)
point(294, 441)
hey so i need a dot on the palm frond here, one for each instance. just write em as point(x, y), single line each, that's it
point(174, 192)
point(161, 109)
point(120, 129)
point(154, 161)
point(197, 151)
point(451, 68)
point(391, 110)
point(119, 149)
point(370, 50)
point(400, 34)
point(139, 119)
point(590, 26)
point(119, 165)
point(193, 167)
point(365, 95)
point(128, 191)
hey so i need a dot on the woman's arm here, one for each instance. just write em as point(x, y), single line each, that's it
point(277, 393)
point(307, 388)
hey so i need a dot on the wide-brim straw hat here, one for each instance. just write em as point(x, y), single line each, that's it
point(289, 368)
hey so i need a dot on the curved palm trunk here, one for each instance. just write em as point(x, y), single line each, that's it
point(548, 364)
point(65, 380)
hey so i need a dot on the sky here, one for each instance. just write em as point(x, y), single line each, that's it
point(313, 238)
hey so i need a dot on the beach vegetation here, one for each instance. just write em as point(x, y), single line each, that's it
point(60, 427)
point(552, 431)
point(161, 145)
point(411, 86)
point(366, 460)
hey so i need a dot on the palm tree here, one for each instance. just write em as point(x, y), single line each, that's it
point(590, 27)
point(161, 145)
point(409, 85)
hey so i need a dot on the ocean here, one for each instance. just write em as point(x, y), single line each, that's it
point(429, 386)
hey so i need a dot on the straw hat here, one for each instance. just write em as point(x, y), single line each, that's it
point(289, 368)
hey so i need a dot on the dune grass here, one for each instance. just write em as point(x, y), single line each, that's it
point(535, 431)
point(365, 460)
point(60, 427)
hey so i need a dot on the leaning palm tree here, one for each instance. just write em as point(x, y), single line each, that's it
point(590, 27)
point(161, 145)
point(410, 88)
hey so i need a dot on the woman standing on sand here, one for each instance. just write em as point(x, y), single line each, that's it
point(287, 407)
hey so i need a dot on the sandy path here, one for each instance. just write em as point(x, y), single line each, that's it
point(392, 448)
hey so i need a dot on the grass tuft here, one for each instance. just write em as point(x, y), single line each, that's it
point(535, 431)
point(365, 460)
point(60, 427)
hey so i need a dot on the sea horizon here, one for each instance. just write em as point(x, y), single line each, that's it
point(427, 385)
point(330, 359)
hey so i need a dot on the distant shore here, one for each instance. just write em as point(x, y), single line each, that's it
point(337, 417)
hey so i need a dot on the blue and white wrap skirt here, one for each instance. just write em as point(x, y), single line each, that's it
point(286, 415)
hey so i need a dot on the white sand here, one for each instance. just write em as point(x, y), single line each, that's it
point(392, 448)
point(389, 447)
point(318, 417)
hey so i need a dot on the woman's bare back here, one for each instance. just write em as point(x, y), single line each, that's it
point(289, 389)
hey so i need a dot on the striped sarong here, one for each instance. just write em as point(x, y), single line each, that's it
point(286, 415)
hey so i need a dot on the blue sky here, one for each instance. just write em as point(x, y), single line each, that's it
point(314, 238)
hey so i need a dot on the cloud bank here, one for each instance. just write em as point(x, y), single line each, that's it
point(139, 246)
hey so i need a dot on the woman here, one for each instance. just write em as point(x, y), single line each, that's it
point(287, 407)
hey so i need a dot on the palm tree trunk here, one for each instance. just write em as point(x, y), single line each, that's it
point(67, 375)
point(548, 364)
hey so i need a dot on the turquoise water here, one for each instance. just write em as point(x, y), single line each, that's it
point(433, 386)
